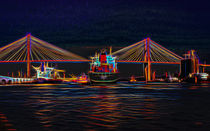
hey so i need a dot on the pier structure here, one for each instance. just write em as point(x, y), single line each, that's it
point(14, 80)
point(190, 64)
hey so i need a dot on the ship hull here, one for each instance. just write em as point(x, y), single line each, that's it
point(103, 77)
point(42, 80)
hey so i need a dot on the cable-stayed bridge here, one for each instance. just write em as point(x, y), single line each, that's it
point(31, 49)
point(148, 52)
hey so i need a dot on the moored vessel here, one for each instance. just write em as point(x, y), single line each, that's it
point(103, 68)
point(46, 74)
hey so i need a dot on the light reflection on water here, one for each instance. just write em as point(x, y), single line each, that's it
point(120, 106)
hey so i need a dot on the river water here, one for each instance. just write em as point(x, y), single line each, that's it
point(121, 106)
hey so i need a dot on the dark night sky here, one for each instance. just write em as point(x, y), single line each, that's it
point(66, 23)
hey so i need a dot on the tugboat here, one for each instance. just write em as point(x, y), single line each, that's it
point(132, 79)
point(83, 79)
point(103, 68)
point(46, 74)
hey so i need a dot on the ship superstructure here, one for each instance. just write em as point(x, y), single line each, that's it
point(44, 73)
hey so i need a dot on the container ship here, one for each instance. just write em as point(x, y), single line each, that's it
point(103, 68)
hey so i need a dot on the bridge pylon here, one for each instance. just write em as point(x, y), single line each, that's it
point(147, 60)
point(28, 55)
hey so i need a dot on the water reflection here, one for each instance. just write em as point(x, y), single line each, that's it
point(104, 112)
point(5, 125)
point(114, 107)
